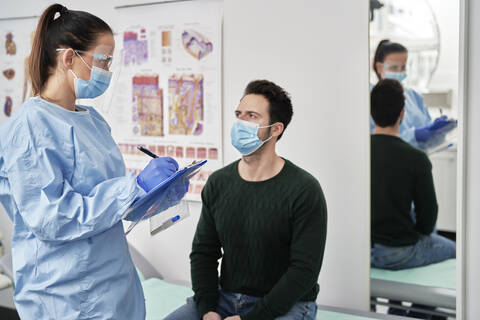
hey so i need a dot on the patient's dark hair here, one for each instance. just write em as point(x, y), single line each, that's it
point(78, 30)
point(387, 102)
point(280, 105)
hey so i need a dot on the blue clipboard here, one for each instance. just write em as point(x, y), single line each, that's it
point(161, 197)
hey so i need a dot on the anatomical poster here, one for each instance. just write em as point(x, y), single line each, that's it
point(165, 93)
point(16, 37)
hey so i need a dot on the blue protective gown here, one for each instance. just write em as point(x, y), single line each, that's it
point(63, 184)
point(416, 116)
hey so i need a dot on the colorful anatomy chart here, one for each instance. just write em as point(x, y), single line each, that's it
point(16, 37)
point(166, 89)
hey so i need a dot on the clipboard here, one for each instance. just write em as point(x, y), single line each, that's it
point(161, 197)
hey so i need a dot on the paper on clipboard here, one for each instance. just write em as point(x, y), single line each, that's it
point(162, 196)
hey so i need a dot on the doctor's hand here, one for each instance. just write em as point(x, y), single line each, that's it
point(440, 126)
point(234, 318)
point(211, 316)
point(156, 171)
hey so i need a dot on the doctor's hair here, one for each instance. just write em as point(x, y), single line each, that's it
point(384, 48)
point(59, 27)
point(280, 105)
point(386, 102)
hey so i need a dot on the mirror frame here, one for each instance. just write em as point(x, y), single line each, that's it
point(461, 157)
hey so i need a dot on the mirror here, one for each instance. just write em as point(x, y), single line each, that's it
point(414, 193)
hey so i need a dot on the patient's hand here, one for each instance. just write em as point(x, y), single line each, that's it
point(234, 318)
point(211, 316)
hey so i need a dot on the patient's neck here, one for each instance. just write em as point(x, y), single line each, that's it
point(391, 131)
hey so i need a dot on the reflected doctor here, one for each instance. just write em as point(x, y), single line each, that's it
point(417, 127)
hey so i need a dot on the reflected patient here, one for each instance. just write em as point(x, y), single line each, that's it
point(401, 176)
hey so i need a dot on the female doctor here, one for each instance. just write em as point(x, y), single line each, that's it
point(416, 128)
point(63, 183)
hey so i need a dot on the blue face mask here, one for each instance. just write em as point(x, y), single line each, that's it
point(96, 86)
point(244, 135)
point(399, 76)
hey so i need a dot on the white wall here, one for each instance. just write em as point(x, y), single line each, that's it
point(318, 51)
point(446, 75)
point(472, 214)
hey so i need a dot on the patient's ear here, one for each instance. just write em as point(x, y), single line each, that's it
point(277, 129)
point(402, 114)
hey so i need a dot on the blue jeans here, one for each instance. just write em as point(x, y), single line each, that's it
point(429, 249)
point(231, 304)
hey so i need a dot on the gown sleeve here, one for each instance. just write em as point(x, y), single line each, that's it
point(39, 169)
point(422, 119)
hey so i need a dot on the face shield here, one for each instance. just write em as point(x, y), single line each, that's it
point(395, 67)
point(99, 62)
point(100, 58)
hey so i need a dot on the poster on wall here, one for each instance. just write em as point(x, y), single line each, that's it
point(16, 37)
point(166, 87)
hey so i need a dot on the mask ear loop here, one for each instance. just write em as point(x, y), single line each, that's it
point(73, 73)
point(268, 139)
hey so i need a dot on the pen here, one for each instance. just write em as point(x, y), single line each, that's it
point(147, 152)
point(169, 222)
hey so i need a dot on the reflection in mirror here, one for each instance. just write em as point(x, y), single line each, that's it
point(414, 89)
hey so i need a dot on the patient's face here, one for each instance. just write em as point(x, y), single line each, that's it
point(254, 108)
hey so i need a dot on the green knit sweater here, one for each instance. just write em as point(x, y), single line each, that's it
point(272, 234)
point(401, 175)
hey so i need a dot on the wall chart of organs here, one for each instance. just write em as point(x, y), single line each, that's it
point(7, 107)
point(10, 45)
point(9, 73)
point(148, 105)
point(196, 44)
point(186, 104)
point(135, 46)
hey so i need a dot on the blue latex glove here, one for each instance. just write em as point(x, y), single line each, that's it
point(175, 193)
point(439, 126)
point(156, 171)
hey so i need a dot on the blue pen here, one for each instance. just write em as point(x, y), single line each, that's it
point(169, 222)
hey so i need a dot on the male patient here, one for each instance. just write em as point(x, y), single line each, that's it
point(401, 175)
point(265, 217)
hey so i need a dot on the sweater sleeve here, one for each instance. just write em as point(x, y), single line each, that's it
point(309, 229)
point(206, 251)
point(425, 200)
